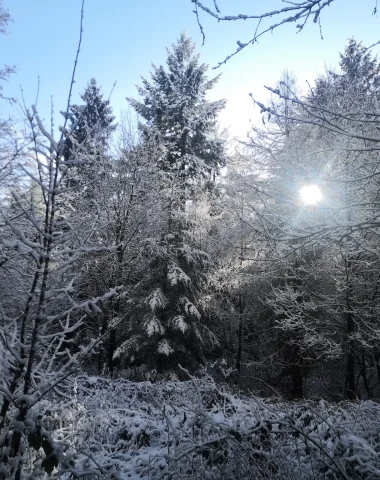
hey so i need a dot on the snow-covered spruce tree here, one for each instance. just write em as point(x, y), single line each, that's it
point(356, 83)
point(168, 328)
point(90, 126)
point(175, 109)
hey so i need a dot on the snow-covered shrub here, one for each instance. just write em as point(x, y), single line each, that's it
point(115, 429)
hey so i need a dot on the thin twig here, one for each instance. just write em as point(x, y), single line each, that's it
point(74, 69)
point(199, 24)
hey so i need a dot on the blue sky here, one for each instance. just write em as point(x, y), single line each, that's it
point(123, 37)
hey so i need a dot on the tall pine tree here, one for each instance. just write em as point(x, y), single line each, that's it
point(357, 83)
point(179, 118)
point(176, 111)
point(91, 123)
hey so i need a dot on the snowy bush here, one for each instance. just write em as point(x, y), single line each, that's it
point(115, 429)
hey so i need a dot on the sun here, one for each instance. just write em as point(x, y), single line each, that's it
point(311, 194)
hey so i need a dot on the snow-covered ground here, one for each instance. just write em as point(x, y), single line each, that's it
point(116, 429)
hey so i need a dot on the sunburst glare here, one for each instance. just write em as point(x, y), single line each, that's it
point(311, 194)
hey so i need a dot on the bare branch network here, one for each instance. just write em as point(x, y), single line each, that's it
point(299, 13)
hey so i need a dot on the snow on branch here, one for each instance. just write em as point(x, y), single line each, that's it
point(321, 117)
point(296, 12)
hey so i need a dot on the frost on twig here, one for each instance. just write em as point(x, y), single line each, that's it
point(297, 13)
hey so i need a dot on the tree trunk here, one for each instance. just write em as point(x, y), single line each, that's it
point(111, 351)
point(363, 369)
point(377, 361)
point(240, 337)
point(101, 354)
point(350, 384)
point(297, 381)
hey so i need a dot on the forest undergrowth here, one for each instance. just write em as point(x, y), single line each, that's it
point(118, 429)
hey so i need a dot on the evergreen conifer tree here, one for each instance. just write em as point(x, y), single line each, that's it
point(91, 123)
point(176, 111)
point(357, 82)
point(169, 327)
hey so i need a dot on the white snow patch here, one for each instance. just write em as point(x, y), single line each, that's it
point(153, 325)
point(176, 275)
point(164, 348)
point(178, 323)
point(157, 300)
